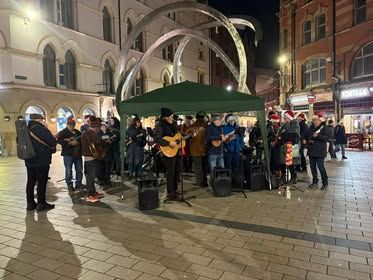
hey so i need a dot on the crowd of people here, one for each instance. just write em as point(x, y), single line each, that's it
point(212, 141)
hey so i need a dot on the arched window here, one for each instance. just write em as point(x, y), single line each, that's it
point(62, 115)
point(139, 87)
point(65, 14)
point(89, 112)
point(106, 24)
point(314, 72)
point(49, 67)
point(34, 110)
point(70, 71)
point(107, 78)
point(362, 66)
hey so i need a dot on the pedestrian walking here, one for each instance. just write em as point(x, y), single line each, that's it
point(330, 146)
point(340, 139)
point(69, 139)
point(317, 138)
point(38, 167)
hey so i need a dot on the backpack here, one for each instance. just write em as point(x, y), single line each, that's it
point(25, 149)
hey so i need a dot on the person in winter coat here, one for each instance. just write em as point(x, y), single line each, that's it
point(69, 139)
point(114, 125)
point(256, 141)
point(38, 167)
point(289, 133)
point(198, 149)
point(330, 146)
point(317, 138)
point(303, 132)
point(273, 127)
point(340, 139)
point(136, 141)
point(214, 132)
point(233, 146)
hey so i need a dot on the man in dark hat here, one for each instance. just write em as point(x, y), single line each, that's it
point(214, 135)
point(167, 127)
point(69, 139)
point(38, 167)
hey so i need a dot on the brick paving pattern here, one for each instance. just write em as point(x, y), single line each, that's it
point(313, 235)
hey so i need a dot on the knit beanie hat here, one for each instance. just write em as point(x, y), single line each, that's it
point(165, 112)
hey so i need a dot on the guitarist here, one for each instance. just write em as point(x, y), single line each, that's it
point(167, 127)
point(233, 147)
point(69, 139)
point(136, 141)
point(214, 133)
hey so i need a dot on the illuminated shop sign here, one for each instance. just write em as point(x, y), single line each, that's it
point(302, 100)
point(354, 93)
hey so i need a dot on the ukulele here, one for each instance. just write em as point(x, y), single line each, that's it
point(224, 139)
point(73, 140)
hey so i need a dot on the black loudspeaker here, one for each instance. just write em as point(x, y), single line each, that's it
point(221, 182)
point(255, 178)
point(148, 193)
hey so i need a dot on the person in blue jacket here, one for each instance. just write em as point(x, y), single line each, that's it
point(234, 144)
point(214, 132)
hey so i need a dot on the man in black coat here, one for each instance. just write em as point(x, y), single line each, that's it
point(303, 132)
point(317, 138)
point(38, 167)
point(330, 130)
point(69, 139)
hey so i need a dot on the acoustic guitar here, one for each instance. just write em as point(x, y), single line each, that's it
point(169, 151)
point(224, 139)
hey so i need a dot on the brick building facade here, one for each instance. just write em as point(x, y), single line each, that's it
point(326, 57)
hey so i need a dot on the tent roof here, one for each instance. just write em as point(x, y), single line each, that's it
point(188, 97)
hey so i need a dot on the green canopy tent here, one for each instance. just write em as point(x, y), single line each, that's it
point(188, 97)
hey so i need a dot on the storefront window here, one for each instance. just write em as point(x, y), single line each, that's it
point(358, 123)
point(33, 110)
point(363, 63)
point(62, 115)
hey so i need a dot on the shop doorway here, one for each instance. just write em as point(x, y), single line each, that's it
point(62, 115)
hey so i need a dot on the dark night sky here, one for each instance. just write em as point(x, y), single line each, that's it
point(265, 11)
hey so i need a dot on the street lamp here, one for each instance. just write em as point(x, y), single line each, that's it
point(282, 59)
point(29, 14)
point(229, 88)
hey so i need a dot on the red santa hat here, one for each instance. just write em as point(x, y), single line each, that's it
point(318, 116)
point(274, 118)
point(302, 116)
point(289, 115)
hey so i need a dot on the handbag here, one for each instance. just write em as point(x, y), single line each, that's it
point(53, 150)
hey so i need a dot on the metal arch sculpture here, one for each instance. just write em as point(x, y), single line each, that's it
point(185, 6)
point(247, 21)
point(131, 74)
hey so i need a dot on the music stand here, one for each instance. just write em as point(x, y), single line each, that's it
point(180, 156)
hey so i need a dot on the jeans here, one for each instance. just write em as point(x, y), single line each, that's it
point(341, 147)
point(200, 169)
point(135, 168)
point(172, 166)
point(37, 175)
point(117, 163)
point(232, 161)
point(331, 149)
point(215, 160)
point(91, 176)
point(69, 161)
point(319, 163)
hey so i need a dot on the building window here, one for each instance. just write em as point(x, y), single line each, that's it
point(360, 14)
point(362, 65)
point(285, 39)
point(106, 24)
point(139, 43)
point(201, 77)
point(314, 72)
point(49, 67)
point(320, 26)
point(168, 53)
point(307, 32)
point(70, 71)
point(107, 78)
point(61, 74)
point(62, 115)
point(172, 16)
point(65, 13)
point(47, 9)
point(139, 87)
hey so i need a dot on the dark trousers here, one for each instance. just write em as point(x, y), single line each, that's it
point(317, 162)
point(187, 164)
point(91, 167)
point(172, 166)
point(37, 175)
point(200, 170)
point(117, 163)
point(69, 161)
point(303, 163)
point(232, 161)
point(331, 149)
point(100, 170)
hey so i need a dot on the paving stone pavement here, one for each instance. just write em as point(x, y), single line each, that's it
point(312, 235)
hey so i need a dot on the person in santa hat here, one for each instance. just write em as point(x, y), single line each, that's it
point(289, 133)
point(273, 127)
point(303, 132)
point(317, 138)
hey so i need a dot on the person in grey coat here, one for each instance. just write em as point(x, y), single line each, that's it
point(330, 131)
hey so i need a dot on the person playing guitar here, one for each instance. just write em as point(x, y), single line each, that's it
point(233, 146)
point(69, 139)
point(167, 127)
point(215, 135)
